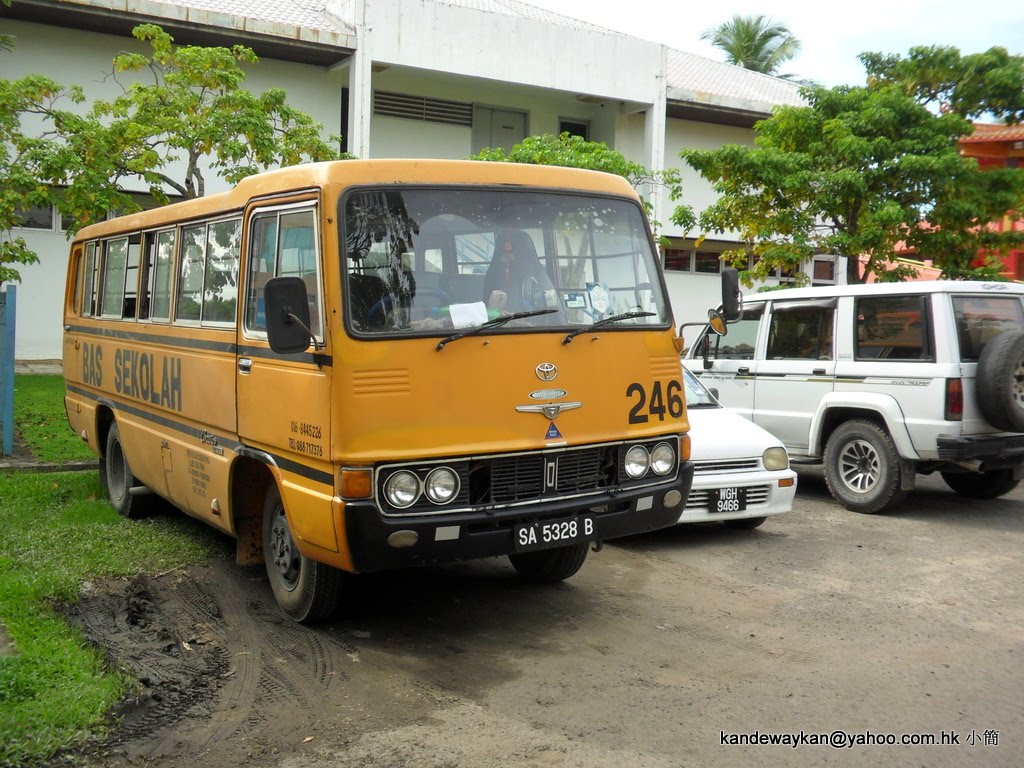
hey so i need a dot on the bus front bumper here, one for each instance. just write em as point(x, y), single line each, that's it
point(379, 543)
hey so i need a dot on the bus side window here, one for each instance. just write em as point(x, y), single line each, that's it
point(220, 286)
point(298, 258)
point(115, 262)
point(89, 281)
point(283, 244)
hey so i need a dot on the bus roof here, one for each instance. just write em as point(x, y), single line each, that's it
point(345, 173)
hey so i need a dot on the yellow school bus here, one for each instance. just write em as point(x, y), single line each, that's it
point(365, 365)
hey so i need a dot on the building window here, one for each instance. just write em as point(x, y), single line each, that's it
point(36, 217)
point(823, 271)
point(707, 262)
point(44, 218)
point(575, 128)
point(678, 259)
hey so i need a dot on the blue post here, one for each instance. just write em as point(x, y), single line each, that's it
point(8, 305)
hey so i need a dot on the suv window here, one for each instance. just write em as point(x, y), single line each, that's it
point(981, 318)
point(739, 343)
point(893, 328)
point(801, 331)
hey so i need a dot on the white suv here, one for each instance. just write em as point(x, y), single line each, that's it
point(881, 382)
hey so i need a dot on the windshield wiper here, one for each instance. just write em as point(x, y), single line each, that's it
point(495, 323)
point(613, 319)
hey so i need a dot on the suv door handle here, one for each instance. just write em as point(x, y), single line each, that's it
point(818, 371)
point(245, 365)
point(743, 370)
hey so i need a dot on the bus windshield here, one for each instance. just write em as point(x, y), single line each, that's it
point(426, 261)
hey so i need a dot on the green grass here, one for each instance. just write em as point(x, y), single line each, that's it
point(42, 423)
point(56, 532)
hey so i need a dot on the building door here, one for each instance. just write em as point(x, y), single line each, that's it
point(497, 128)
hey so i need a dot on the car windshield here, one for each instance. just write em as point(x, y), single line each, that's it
point(697, 395)
point(433, 261)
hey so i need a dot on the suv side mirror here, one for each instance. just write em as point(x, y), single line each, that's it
point(287, 315)
point(716, 322)
point(732, 299)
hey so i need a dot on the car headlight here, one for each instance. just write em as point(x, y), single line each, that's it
point(442, 485)
point(663, 459)
point(637, 461)
point(402, 489)
point(775, 459)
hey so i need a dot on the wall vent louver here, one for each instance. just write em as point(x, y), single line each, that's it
point(410, 107)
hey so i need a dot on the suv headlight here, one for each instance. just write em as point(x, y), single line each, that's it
point(775, 459)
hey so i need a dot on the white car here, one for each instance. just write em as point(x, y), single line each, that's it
point(742, 472)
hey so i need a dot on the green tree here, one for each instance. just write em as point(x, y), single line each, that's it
point(868, 172)
point(33, 166)
point(754, 42)
point(193, 117)
point(194, 110)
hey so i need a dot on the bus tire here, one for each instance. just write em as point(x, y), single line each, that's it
point(306, 590)
point(118, 480)
point(550, 565)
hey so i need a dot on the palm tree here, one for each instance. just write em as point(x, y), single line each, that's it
point(754, 42)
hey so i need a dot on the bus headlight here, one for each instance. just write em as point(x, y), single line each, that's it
point(442, 485)
point(663, 459)
point(637, 461)
point(775, 459)
point(402, 489)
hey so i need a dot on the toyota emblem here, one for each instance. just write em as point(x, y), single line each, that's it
point(547, 371)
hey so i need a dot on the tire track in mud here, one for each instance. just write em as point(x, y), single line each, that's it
point(216, 665)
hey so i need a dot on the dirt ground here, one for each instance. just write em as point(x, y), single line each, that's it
point(658, 653)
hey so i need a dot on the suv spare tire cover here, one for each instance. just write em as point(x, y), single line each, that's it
point(1000, 381)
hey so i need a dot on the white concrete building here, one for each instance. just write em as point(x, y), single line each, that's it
point(414, 78)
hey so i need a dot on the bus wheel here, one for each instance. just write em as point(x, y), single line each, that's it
point(117, 478)
point(306, 590)
point(550, 565)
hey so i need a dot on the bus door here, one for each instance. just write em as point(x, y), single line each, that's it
point(284, 401)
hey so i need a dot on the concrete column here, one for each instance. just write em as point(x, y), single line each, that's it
point(360, 85)
point(654, 138)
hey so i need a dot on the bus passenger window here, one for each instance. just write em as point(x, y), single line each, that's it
point(114, 265)
point(220, 288)
point(89, 281)
point(190, 273)
point(162, 281)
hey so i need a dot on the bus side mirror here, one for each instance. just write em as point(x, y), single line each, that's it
point(732, 299)
point(287, 315)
